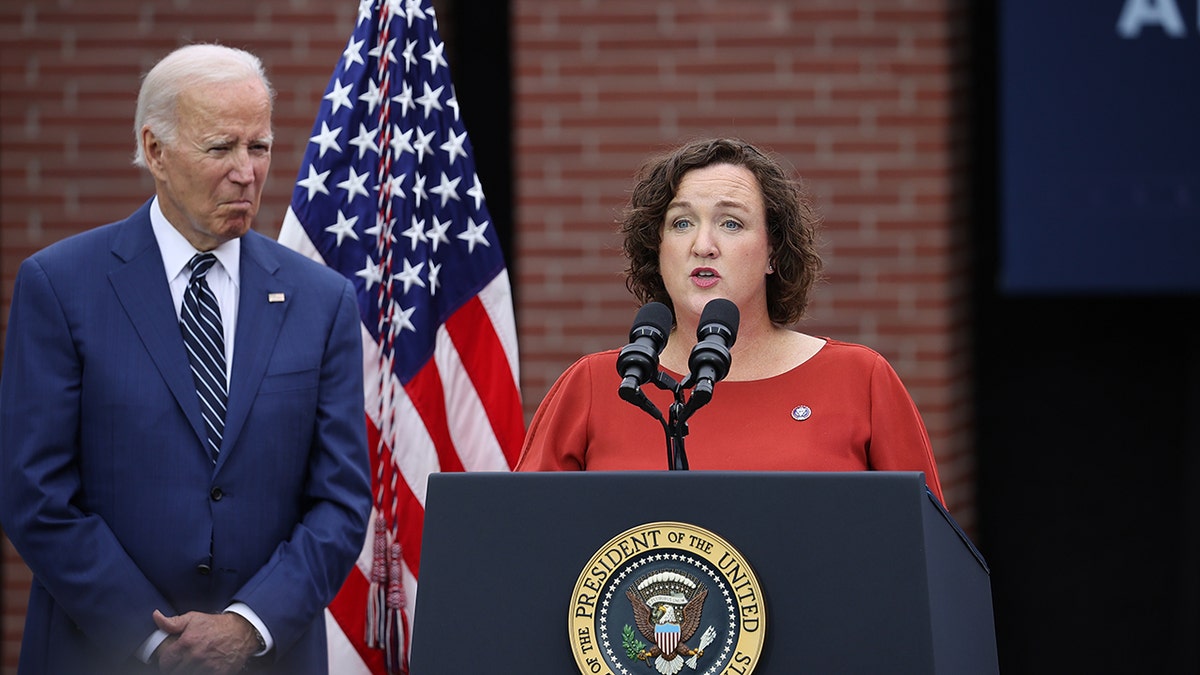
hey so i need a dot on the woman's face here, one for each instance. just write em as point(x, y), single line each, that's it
point(715, 242)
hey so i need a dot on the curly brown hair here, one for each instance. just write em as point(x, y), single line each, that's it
point(792, 223)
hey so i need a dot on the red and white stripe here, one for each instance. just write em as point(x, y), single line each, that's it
point(461, 412)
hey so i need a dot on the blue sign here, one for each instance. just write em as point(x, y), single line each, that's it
point(1100, 146)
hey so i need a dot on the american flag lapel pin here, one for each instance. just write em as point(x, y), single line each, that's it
point(275, 297)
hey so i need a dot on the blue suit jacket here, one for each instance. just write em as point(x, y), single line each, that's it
point(107, 492)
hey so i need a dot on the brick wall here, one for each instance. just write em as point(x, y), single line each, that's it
point(862, 98)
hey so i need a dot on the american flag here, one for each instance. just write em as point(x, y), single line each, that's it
point(388, 195)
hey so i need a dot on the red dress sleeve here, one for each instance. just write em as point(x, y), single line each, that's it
point(899, 439)
point(557, 437)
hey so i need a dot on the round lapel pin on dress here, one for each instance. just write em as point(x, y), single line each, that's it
point(801, 413)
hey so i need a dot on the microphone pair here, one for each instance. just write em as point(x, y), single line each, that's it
point(709, 361)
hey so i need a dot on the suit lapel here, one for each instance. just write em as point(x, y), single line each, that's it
point(141, 287)
point(259, 322)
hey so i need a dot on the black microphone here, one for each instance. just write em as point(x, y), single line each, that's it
point(638, 361)
point(709, 360)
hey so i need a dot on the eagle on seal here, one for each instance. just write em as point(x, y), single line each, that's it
point(668, 628)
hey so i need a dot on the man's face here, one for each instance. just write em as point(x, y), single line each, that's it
point(210, 178)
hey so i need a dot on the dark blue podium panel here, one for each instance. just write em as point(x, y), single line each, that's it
point(861, 572)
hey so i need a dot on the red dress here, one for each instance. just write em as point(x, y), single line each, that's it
point(844, 409)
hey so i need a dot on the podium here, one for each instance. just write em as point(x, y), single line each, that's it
point(859, 572)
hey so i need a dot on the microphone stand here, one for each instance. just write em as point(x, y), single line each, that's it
point(675, 427)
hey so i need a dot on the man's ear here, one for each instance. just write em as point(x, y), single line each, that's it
point(152, 150)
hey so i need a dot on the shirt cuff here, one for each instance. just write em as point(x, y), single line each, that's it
point(243, 610)
point(147, 649)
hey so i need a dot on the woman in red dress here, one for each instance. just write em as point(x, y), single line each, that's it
point(718, 218)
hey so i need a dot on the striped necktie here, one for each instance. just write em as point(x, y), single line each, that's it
point(205, 339)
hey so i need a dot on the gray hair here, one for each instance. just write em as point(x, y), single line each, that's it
point(187, 66)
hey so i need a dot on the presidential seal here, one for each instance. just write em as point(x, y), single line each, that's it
point(669, 596)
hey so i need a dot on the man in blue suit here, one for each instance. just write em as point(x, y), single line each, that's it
point(162, 537)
